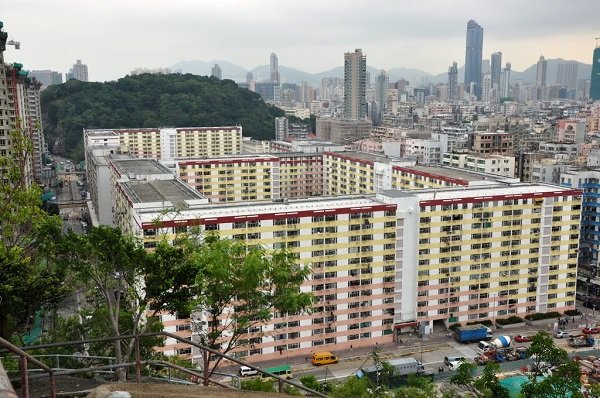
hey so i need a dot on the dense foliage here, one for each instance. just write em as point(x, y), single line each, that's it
point(149, 100)
point(31, 267)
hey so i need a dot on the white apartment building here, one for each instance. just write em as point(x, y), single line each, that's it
point(491, 164)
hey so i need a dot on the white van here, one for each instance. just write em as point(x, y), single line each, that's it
point(449, 359)
point(246, 371)
point(454, 365)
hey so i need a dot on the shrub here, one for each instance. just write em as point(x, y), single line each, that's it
point(538, 316)
point(454, 326)
point(485, 322)
point(258, 385)
point(572, 312)
point(510, 320)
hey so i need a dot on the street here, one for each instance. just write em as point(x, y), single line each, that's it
point(431, 351)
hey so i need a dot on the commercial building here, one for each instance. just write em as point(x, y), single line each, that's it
point(47, 77)
point(473, 58)
point(595, 78)
point(342, 131)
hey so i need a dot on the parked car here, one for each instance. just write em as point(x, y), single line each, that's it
point(559, 334)
point(522, 339)
point(590, 330)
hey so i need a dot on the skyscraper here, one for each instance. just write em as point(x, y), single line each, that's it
point(79, 71)
point(540, 75)
point(355, 76)
point(595, 79)
point(473, 57)
point(275, 78)
point(506, 81)
point(381, 87)
point(566, 75)
point(453, 82)
point(216, 71)
point(496, 70)
point(249, 77)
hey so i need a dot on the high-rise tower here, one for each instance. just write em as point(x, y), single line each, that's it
point(595, 78)
point(453, 82)
point(540, 75)
point(216, 71)
point(496, 70)
point(381, 89)
point(473, 57)
point(275, 78)
point(79, 71)
point(506, 81)
point(355, 80)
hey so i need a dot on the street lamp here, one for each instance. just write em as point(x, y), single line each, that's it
point(494, 312)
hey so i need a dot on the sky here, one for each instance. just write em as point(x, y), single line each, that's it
point(113, 37)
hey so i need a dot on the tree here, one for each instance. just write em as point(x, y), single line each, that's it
point(29, 243)
point(121, 280)
point(544, 353)
point(353, 387)
point(563, 382)
point(240, 287)
point(488, 381)
point(464, 374)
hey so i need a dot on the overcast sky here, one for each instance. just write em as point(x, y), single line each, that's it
point(115, 36)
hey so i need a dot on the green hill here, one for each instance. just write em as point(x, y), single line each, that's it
point(173, 100)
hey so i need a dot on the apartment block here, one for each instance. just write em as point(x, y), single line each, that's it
point(364, 173)
point(492, 143)
point(589, 258)
point(232, 178)
point(348, 242)
point(489, 252)
point(180, 142)
point(382, 263)
point(301, 175)
point(492, 164)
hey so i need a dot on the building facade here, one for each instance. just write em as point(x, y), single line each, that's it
point(473, 58)
point(355, 84)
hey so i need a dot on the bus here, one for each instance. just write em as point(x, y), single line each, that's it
point(281, 371)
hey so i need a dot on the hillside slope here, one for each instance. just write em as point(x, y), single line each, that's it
point(147, 100)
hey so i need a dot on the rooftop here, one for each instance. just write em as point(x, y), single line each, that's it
point(369, 157)
point(173, 191)
point(479, 191)
point(451, 172)
point(140, 166)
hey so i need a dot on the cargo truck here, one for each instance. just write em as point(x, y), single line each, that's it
point(472, 333)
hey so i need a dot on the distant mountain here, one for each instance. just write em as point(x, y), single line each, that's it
point(292, 75)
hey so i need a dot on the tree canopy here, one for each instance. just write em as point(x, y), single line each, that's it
point(30, 273)
point(149, 100)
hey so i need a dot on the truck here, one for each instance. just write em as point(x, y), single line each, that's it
point(403, 367)
point(472, 333)
point(497, 343)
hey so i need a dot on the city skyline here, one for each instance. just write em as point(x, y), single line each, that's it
point(430, 38)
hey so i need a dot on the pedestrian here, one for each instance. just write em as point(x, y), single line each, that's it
point(376, 345)
point(350, 347)
point(573, 320)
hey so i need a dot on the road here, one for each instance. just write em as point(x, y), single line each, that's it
point(431, 351)
point(72, 215)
